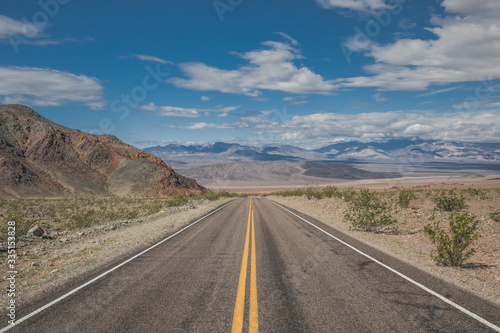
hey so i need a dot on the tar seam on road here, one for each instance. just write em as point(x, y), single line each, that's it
point(6, 328)
point(430, 291)
point(239, 307)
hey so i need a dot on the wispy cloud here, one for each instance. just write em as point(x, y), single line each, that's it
point(406, 24)
point(176, 111)
point(288, 38)
point(358, 5)
point(297, 103)
point(49, 87)
point(11, 27)
point(144, 57)
point(440, 91)
point(378, 98)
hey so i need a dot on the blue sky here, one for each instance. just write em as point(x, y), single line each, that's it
point(306, 73)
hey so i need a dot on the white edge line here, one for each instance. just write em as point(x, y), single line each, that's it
point(6, 328)
point(444, 299)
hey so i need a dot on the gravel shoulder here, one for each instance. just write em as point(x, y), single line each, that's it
point(49, 262)
point(411, 245)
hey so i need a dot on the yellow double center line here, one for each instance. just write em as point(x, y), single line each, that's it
point(239, 308)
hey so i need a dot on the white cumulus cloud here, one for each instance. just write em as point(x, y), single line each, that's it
point(49, 87)
point(271, 68)
point(479, 126)
point(465, 47)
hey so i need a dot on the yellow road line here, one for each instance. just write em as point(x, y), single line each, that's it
point(254, 313)
point(239, 308)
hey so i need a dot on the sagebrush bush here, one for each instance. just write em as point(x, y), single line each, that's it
point(405, 196)
point(449, 201)
point(453, 244)
point(368, 212)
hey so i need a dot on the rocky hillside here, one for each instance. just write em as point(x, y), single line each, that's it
point(40, 158)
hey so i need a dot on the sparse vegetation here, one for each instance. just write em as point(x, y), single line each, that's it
point(368, 212)
point(216, 195)
point(77, 213)
point(330, 191)
point(310, 191)
point(405, 196)
point(453, 244)
point(495, 216)
point(476, 192)
point(348, 194)
point(449, 201)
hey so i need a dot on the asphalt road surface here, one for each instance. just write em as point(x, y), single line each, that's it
point(253, 265)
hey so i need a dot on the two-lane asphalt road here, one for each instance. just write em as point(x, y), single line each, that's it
point(254, 265)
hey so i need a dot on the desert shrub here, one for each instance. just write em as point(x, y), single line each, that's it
point(368, 212)
point(211, 196)
point(154, 207)
point(476, 192)
point(131, 214)
point(81, 218)
point(495, 216)
point(405, 196)
point(177, 201)
point(348, 194)
point(449, 201)
point(216, 195)
point(313, 192)
point(330, 191)
point(453, 244)
point(298, 192)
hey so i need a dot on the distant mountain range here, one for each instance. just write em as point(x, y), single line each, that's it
point(39, 158)
point(418, 150)
point(258, 173)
